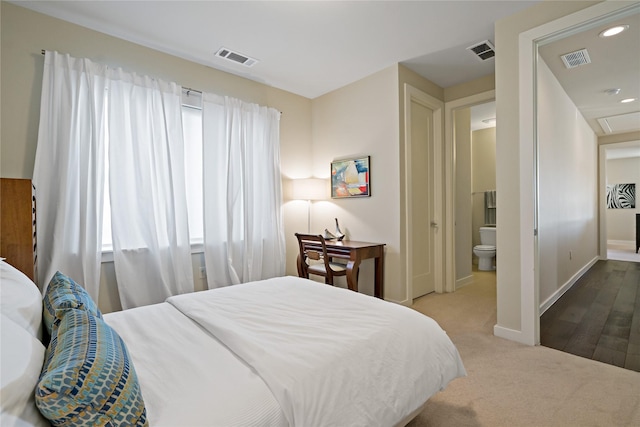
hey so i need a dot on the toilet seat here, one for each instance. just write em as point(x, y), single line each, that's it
point(484, 248)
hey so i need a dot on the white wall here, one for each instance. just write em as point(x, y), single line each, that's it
point(621, 223)
point(568, 187)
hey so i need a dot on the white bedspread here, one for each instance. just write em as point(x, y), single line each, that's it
point(330, 356)
point(188, 378)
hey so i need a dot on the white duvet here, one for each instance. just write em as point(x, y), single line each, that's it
point(187, 377)
point(330, 356)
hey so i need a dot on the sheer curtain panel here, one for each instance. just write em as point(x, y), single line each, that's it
point(98, 121)
point(69, 170)
point(151, 249)
point(243, 229)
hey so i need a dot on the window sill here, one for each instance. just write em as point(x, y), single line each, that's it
point(107, 251)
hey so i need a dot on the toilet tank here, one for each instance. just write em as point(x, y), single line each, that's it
point(488, 236)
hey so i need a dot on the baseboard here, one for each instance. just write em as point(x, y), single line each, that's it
point(621, 242)
point(564, 288)
point(460, 283)
point(509, 334)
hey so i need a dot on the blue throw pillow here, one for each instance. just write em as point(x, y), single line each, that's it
point(88, 378)
point(63, 293)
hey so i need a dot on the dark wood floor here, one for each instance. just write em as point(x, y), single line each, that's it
point(599, 317)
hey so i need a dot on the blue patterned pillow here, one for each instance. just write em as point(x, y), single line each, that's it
point(88, 378)
point(63, 293)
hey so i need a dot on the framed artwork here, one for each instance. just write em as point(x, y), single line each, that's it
point(350, 178)
point(621, 196)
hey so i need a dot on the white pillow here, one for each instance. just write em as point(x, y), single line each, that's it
point(22, 357)
point(20, 299)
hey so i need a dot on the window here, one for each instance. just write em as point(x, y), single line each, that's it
point(192, 128)
point(192, 131)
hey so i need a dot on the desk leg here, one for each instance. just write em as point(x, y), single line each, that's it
point(352, 274)
point(379, 279)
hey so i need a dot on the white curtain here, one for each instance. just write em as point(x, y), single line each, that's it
point(69, 170)
point(151, 249)
point(86, 107)
point(243, 229)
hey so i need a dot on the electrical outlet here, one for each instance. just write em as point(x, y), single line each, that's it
point(203, 272)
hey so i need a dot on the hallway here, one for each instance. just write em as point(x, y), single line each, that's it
point(599, 317)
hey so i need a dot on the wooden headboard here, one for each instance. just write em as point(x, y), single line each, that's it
point(18, 225)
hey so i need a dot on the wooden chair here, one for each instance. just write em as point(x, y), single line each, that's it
point(313, 248)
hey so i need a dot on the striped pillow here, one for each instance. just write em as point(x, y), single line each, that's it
point(88, 378)
point(63, 293)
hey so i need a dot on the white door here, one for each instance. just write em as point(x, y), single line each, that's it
point(423, 224)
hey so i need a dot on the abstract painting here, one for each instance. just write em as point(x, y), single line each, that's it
point(350, 178)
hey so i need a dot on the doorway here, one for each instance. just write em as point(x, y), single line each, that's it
point(568, 126)
point(459, 186)
point(620, 163)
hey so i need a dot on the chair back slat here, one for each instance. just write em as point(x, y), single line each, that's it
point(316, 254)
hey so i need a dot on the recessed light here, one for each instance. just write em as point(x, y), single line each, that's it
point(491, 121)
point(613, 30)
point(612, 91)
point(627, 100)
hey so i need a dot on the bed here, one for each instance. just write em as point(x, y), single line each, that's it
point(280, 352)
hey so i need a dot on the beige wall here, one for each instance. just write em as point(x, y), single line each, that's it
point(367, 118)
point(514, 165)
point(621, 223)
point(361, 119)
point(463, 90)
point(25, 33)
point(568, 188)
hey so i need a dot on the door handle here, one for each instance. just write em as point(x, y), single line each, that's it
point(434, 224)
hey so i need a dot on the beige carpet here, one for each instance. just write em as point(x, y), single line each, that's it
point(510, 384)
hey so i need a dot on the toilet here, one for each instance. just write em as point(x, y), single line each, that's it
point(486, 250)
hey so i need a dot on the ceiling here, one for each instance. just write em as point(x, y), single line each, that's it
point(313, 47)
point(615, 64)
point(305, 47)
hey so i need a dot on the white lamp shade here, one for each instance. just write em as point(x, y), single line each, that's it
point(309, 189)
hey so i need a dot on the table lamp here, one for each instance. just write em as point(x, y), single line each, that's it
point(309, 189)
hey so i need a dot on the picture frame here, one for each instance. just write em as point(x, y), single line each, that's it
point(621, 196)
point(351, 178)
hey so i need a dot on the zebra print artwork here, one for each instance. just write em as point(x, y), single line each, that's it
point(621, 196)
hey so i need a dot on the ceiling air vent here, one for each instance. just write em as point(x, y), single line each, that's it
point(483, 50)
point(236, 57)
point(575, 59)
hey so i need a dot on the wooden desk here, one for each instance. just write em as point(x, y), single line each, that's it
point(355, 252)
